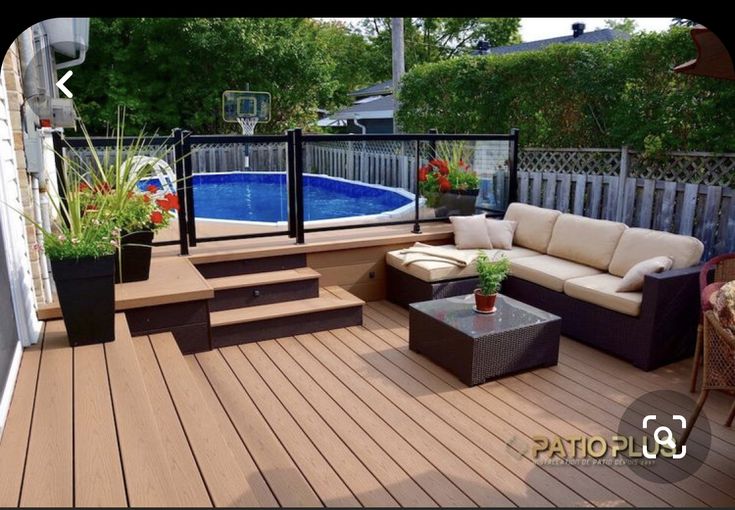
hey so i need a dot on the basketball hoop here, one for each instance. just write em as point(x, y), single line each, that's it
point(248, 124)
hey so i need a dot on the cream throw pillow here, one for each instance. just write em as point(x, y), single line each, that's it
point(470, 232)
point(633, 279)
point(501, 233)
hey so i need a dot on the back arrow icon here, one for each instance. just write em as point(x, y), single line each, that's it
point(61, 85)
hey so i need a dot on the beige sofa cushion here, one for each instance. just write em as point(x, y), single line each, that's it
point(547, 271)
point(535, 225)
point(639, 244)
point(600, 290)
point(585, 240)
point(470, 232)
point(430, 271)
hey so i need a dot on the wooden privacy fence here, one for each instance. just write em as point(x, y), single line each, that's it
point(705, 211)
point(239, 157)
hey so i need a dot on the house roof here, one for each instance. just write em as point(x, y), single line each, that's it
point(595, 36)
point(385, 87)
point(381, 108)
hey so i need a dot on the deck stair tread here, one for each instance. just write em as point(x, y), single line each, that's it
point(330, 298)
point(266, 278)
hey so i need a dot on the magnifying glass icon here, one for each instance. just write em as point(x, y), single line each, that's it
point(667, 439)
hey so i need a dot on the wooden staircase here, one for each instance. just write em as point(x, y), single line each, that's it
point(260, 299)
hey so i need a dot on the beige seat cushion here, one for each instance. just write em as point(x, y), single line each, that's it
point(535, 225)
point(600, 290)
point(585, 240)
point(430, 271)
point(547, 271)
point(639, 244)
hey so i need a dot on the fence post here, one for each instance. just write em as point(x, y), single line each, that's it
point(181, 192)
point(298, 157)
point(291, 183)
point(513, 166)
point(190, 215)
point(622, 178)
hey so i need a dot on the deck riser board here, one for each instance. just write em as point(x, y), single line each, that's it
point(256, 295)
point(254, 331)
point(250, 266)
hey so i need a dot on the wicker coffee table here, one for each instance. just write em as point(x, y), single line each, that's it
point(477, 347)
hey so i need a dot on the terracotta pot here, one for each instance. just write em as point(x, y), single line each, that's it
point(483, 302)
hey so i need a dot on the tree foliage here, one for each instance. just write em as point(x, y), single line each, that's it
point(578, 95)
point(627, 25)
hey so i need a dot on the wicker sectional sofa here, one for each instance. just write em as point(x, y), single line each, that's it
point(571, 266)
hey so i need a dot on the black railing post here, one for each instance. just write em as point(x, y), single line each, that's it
point(178, 136)
point(61, 169)
point(291, 183)
point(189, 186)
point(513, 166)
point(417, 191)
point(298, 157)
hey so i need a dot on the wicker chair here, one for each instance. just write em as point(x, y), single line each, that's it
point(719, 366)
point(722, 268)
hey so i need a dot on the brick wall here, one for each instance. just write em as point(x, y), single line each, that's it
point(11, 68)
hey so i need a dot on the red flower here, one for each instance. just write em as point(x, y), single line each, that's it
point(130, 194)
point(156, 217)
point(163, 204)
point(423, 171)
point(83, 186)
point(90, 208)
point(173, 201)
point(102, 188)
point(444, 184)
point(151, 188)
point(440, 165)
point(146, 198)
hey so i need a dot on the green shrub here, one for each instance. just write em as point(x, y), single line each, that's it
point(577, 95)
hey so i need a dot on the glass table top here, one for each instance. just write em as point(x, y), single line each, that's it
point(457, 312)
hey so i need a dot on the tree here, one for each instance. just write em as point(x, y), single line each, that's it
point(435, 39)
point(627, 25)
point(170, 72)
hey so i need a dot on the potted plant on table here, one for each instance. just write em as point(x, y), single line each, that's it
point(491, 273)
point(448, 181)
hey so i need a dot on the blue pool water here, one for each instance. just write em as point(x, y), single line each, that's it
point(264, 196)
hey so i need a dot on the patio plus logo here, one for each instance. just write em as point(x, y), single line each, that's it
point(646, 440)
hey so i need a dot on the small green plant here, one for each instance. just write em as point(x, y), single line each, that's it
point(491, 272)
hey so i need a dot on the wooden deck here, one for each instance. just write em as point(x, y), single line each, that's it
point(341, 418)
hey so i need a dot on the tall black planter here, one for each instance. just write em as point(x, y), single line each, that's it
point(134, 258)
point(86, 292)
point(457, 202)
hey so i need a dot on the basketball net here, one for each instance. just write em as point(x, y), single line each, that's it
point(248, 124)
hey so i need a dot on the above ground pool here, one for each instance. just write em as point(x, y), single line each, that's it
point(263, 197)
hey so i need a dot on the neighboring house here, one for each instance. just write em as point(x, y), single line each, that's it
point(372, 110)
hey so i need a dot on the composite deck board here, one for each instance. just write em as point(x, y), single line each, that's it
point(49, 472)
point(225, 427)
point(98, 477)
point(258, 279)
point(417, 467)
point(145, 461)
point(450, 462)
point(14, 442)
point(331, 489)
point(227, 485)
point(285, 479)
point(365, 487)
point(350, 416)
point(184, 470)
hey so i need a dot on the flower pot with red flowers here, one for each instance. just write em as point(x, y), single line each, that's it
point(491, 273)
point(448, 182)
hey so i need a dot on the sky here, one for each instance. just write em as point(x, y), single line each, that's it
point(533, 29)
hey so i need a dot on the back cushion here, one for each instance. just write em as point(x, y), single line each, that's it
point(535, 225)
point(585, 240)
point(638, 244)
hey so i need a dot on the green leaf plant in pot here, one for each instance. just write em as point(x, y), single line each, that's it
point(80, 245)
point(120, 177)
point(491, 273)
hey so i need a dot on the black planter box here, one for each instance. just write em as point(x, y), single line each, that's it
point(457, 202)
point(86, 291)
point(133, 262)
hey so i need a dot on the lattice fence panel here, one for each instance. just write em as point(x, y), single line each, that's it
point(573, 161)
point(690, 167)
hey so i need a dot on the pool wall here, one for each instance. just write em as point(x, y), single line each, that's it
point(405, 212)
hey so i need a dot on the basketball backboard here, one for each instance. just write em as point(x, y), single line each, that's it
point(242, 104)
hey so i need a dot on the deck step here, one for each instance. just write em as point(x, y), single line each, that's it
point(247, 290)
point(253, 265)
point(333, 308)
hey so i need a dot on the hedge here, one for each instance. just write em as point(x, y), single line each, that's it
point(578, 95)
